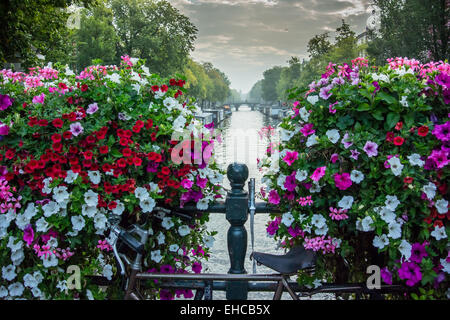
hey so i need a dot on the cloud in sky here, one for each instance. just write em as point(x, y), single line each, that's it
point(243, 38)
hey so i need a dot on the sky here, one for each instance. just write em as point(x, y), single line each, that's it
point(243, 38)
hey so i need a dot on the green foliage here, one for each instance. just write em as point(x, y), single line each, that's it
point(269, 83)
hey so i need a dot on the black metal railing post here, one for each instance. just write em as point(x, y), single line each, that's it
point(237, 214)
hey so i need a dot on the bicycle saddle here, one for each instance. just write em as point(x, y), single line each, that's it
point(297, 258)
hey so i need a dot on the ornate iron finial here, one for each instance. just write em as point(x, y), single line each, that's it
point(237, 173)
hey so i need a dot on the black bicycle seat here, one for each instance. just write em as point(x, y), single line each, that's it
point(297, 258)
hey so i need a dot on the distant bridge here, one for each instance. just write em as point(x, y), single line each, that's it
point(254, 105)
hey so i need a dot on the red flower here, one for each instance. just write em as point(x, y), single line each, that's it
point(122, 163)
point(408, 180)
point(137, 161)
point(398, 141)
point(103, 149)
point(56, 137)
point(153, 136)
point(90, 139)
point(57, 123)
point(88, 155)
point(390, 136)
point(155, 88)
point(84, 87)
point(10, 154)
point(67, 135)
point(76, 168)
point(57, 146)
point(165, 171)
point(399, 126)
point(164, 88)
point(87, 163)
point(70, 100)
point(32, 121)
point(173, 82)
point(423, 131)
point(62, 86)
point(43, 123)
point(127, 152)
point(112, 205)
point(149, 124)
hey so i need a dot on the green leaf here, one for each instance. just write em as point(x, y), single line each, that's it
point(363, 107)
point(391, 120)
point(386, 97)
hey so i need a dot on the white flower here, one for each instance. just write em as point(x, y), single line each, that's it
point(46, 189)
point(107, 272)
point(114, 77)
point(208, 241)
point(202, 204)
point(167, 223)
point(41, 225)
point(174, 247)
point(95, 176)
point(281, 180)
point(387, 215)
point(147, 205)
point(184, 230)
point(285, 135)
point(391, 202)
point(16, 289)
point(161, 238)
point(3, 292)
point(78, 223)
point(312, 140)
point(13, 245)
point(404, 101)
point(60, 194)
point(313, 99)
point(120, 207)
point(366, 224)
point(30, 211)
point(318, 220)
point(380, 77)
point(37, 293)
point(179, 123)
point(396, 166)
point(22, 221)
point(439, 233)
point(71, 176)
point(304, 114)
point(429, 190)
point(405, 249)
point(315, 187)
point(50, 208)
point(155, 255)
point(395, 230)
point(346, 202)
point(287, 219)
point(380, 241)
point(301, 175)
point(30, 281)
point(321, 231)
point(88, 211)
point(414, 160)
point(356, 176)
point(52, 242)
point(49, 261)
point(61, 285)
point(100, 221)
point(445, 265)
point(333, 135)
point(9, 272)
point(17, 257)
point(91, 198)
point(141, 193)
point(441, 206)
point(4, 221)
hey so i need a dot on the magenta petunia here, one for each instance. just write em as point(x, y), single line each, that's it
point(418, 252)
point(290, 157)
point(274, 197)
point(342, 181)
point(307, 129)
point(5, 101)
point(442, 132)
point(318, 173)
point(39, 99)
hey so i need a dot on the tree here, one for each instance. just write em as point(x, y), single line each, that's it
point(154, 30)
point(255, 93)
point(414, 29)
point(319, 45)
point(269, 83)
point(33, 27)
point(288, 78)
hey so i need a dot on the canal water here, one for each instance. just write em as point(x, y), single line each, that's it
point(242, 143)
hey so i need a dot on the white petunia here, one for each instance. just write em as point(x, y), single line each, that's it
point(30, 281)
point(312, 140)
point(366, 224)
point(301, 175)
point(161, 238)
point(88, 211)
point(42, 225)
point(321, 231)
point(396, 166)
point(315, 187)
point(100, 221)
point(49, 261)
point(281, 180)
point(405, 249)
point(30, 211)
point(155, 255)
point(404, 101)
point(9, 272)
point(60, 194)
point(147, 205)
point(167, 223)
point(439, 233)
point(13, 244)
point(333, 135)
point(179, 123)
point(209, 241)
point(174, 247)
point(356, 176)
point(445, 265)
point(107, 272)
point(304, 114)
point(287, 219)
point(430, 190)
point(95, 176)
point(16, 289)
point(114, 77)
point(414, 160)
point(203, 203)
point(22, 221)
point(346, 202)
point(387, 215)
point(50, 208)
point(119, 209)
point(318, 220)
point(184, 230)
point(391, 202)
point(71, 176)
point(91, 198)
point(3, 292)
point(441, 206)
point(395, 230)
point(380, 241)
point(17, 257)
point(62, 285)
point(313, 99)
point(78, 223)
point(141, 193)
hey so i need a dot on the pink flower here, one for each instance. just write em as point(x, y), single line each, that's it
point(186, 183)
point(39, 99)
point(4, 129)
point(334, 158)
point(342, 181)
point(28, 235)
point(290, 157)
point(202, 182)
point(307, 129)
point(274, 197)
point(318, 173)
